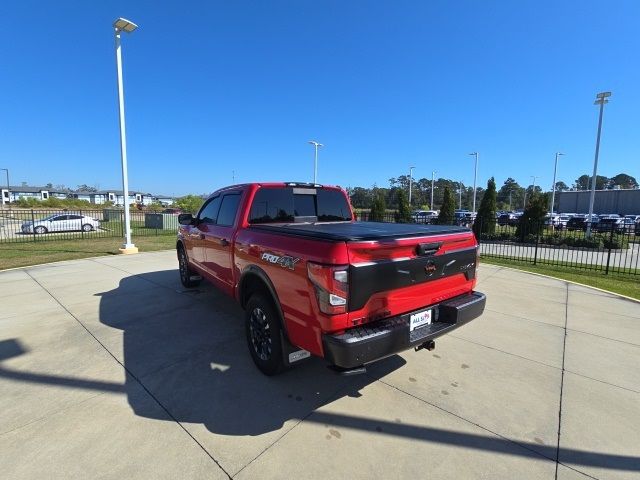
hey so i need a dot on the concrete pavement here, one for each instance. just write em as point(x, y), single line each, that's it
point(109, 368)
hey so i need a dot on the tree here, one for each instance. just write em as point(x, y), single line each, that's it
point(485, 221)
point(189, 203)
point(87, 188)
point(447, 210)
point(378, 208)
point(360, 197)
point(404, 212)
point(583, 182)
point(561, 187)
point(532, 219)
point(623, 181)
point(510, 193)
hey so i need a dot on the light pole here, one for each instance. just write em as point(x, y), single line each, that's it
point(6, 170)
point(460, 194)
point(553, 187)
point(410, 182)
point(315, 161)
point(475, 178)
point(433, 176)
point(601, 99)
point(533, 187)
point(123, 25)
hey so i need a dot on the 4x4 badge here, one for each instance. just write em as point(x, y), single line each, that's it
point(284, 261)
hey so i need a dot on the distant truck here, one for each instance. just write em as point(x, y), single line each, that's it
point(313, 281)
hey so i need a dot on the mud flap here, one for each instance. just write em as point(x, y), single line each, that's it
point(292, 355)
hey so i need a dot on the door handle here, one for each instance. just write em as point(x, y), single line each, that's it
point(224, 242)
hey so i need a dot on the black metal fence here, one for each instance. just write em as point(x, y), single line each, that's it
point(45, 225)
point(610, 248)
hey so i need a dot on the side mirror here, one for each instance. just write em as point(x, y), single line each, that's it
point(186, 219)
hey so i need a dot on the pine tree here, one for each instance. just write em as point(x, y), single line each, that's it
point(485, 221)
point(532, 219)
point(404, 211)
point(447, 210)
point(378, 208)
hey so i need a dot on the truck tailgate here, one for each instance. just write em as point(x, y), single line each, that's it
point(393, 276)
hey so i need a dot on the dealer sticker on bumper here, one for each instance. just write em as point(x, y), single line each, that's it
point(419, 319)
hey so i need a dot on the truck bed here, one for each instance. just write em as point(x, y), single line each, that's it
point(358, 231)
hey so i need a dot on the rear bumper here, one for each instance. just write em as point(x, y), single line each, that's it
point(360, 345)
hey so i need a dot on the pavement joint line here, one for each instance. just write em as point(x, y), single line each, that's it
point(505, 352)
point(128, 372)
point(484, 428)
point(603, 337)
point(277, 440)
point(602, 381)
point(522, 318)
point(571, 282)
point(471, 422)
point(564, 351)
point(50, 414)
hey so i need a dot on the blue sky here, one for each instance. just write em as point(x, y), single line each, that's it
point(217, 86)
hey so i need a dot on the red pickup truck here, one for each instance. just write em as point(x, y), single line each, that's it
point(313, 281)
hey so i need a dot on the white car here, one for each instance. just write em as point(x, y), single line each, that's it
point(61, 222)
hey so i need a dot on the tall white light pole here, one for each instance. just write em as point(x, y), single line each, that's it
point(475, 178)
point(533, 187)
point(410, 182)
point(460, 194)
point(553, 187)
point(123, 25)
point(433, 176)
point(315, 161)
point(601, 99)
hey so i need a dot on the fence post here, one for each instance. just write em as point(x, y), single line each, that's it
point(535, 254)
point(81, 229)
point(33, 225)
point(606, 271)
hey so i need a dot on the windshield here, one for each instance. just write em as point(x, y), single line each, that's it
point(278, 205)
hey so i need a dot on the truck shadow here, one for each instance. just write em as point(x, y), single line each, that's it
point(188, 350)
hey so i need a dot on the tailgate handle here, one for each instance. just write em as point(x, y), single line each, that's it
point(426, 249)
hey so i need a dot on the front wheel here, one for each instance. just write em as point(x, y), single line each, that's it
point(186, 274)
point(40, 230)
point(262, 324)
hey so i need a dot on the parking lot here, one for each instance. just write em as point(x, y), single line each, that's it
point(109, 368)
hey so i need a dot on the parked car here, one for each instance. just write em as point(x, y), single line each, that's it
point(172, 211)
point(609, 224)
point(579, 222)
point(629, 224)
point(424, 216)
point(313, 281)
point(61, 222)
point(510, 219)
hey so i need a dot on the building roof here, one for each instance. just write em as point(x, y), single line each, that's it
point(30, 189)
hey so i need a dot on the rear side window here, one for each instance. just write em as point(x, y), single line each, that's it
point(228, 210)
point(272, 205)
point(209, 212)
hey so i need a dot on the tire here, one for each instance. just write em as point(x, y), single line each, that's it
point(87, 227)
point(264, 339)
point(40, 230)
point(185, 270)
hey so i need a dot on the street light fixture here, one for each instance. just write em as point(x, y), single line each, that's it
point(119, 26)
point(601, 99)
point(410, 182)
point(553, 187)
point(315, 161)
point(475, 178)
point(6, 170)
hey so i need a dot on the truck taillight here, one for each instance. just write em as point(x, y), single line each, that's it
point(331, 284)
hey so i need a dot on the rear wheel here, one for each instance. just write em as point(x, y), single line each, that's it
point(186, 273)
point(40, 230)
point(87, 227)
point(262, 324)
